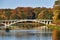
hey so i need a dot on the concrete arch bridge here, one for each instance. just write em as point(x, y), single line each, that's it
point(10, 22)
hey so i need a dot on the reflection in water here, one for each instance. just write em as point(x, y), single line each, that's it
point(27, 37)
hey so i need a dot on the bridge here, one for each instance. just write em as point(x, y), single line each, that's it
point(10, 22)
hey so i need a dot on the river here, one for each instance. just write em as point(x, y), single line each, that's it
point(24, 36)
point(30, 37)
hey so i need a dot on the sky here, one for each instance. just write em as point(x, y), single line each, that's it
point(26, 3)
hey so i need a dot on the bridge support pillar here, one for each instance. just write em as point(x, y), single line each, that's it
point(46, 22)
point(49, 22)
point(11, 21)
point(5, 25)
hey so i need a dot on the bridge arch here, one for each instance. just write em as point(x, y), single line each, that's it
point(2, 25)
point(25, 20)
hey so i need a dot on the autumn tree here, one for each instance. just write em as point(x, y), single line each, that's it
point(56, 12)
point(7, 13)
point(2, 17)
point(37, 10)
point(27, 13)
point(45, 14)
point(15, 17)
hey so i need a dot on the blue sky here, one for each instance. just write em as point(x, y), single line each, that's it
point(26, 3)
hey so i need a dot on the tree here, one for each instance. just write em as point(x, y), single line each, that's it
point(8, 13)
point(56, 15)
point(23, 15)
point(37, 11)
point(15, 16)
point(45, 14)
point(3, 17)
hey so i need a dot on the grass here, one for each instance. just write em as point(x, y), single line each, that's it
point(56, 27)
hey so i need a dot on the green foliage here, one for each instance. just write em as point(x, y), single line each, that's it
point(56, 27)
point(57, 2)
point(56, 15)
point(56, 8)
point(59, 16)
point(25, 13)
point(15, 17)
point(37, 11)
point(45, 15)
point(8, 14)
